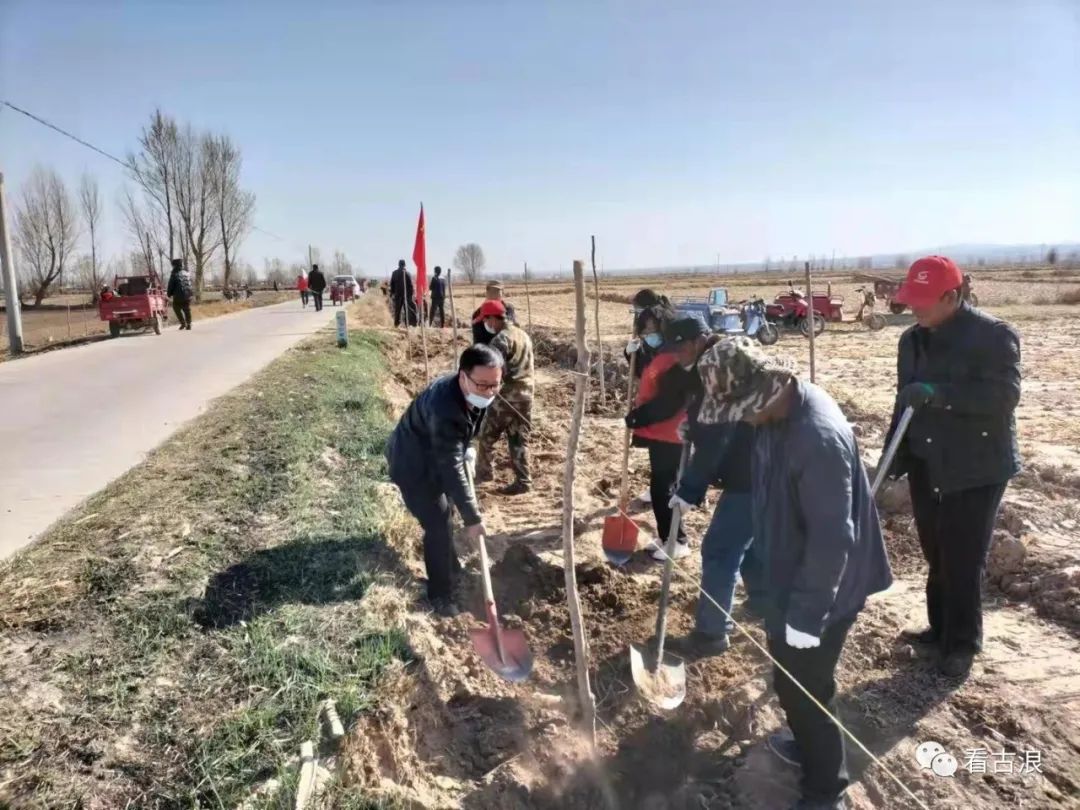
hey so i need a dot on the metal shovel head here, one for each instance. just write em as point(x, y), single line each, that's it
point(517, 660)
point(619, 539)
point(665, 685)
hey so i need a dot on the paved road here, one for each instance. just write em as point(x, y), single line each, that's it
point(71, 421)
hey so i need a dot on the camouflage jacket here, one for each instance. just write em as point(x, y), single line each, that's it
point(514, 344)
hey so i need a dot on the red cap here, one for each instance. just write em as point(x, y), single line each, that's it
point(929, 279)
point(490, 309)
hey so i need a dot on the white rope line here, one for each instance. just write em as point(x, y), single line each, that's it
point(686, 575)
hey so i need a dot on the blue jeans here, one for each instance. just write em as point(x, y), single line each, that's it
point(725, 550)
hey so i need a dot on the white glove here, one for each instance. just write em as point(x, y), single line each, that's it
point(800, 640)
point(470, 456)
point(633, 345)
point(683, 430)
point(684, 507)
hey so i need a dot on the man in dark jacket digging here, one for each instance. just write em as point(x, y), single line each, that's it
point(960, 369)
point(817, 534)
point(427, 454)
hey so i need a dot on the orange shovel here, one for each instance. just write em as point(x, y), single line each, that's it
point(619, 539)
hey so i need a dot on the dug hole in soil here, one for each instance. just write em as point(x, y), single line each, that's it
point(447, 732)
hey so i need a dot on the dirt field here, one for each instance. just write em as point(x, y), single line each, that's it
point(452, 734)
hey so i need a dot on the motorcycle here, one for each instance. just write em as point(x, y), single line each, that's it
point(795, 314)
point(756, 323)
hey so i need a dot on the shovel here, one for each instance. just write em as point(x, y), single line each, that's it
point(504, 651)
point(890, 451)
point(660, 676)
point(620, 535)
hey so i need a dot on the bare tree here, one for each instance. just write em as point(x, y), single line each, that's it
point(45, 231)
point(234, 206)
point(276, 271)
point(139, 226)
point(90, 202)
point(341, 266)
point(154, 169)
point(470, 260)
point(194, 192)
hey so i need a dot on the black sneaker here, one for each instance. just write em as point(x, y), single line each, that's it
point(926, 637)
point(516, 488)
point(706, 645)
point(444, 608)
point(956, 665)
point(785, 747)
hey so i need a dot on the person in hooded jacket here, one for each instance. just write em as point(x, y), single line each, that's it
point(317, 284)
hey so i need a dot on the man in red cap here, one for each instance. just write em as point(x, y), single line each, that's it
point(960, 369)
point(511, 413)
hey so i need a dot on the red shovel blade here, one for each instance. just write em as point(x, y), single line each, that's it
point(619, 539)
point(511, 659)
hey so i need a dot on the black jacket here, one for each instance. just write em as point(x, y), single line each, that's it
point(722, 455)
point(480, 334)
point(316, 281)
point(401, 284)
point(438, 288)
point(179, 288)
point(966, 437)
point(427, 448)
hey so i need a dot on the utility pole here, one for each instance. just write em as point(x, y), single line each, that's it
point(309, 259)
point(11, 286)
point(812, 315)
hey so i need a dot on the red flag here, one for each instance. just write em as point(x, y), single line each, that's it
point(419, 257)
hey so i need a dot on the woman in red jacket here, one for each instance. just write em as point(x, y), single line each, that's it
point(668, 384)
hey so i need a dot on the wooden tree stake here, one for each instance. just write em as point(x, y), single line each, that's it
point(453, 318)
point(813, 319)
point(577, 626)
point(599, 344)
point(528, 300)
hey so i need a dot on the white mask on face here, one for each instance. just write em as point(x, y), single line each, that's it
point(490, 331)
point(478, 401)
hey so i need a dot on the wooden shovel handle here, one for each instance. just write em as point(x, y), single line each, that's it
point(624, 491)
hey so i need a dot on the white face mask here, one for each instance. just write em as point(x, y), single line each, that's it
point(688, 367)
point(478, 401)
point(653, 340)
point(490, 331)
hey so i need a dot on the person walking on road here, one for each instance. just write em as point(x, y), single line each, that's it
point(316, 283)
point(402, 294)
point(427, 455)
point(512, 411)
point(960, 369)
point(181, 292)
point(438, 298)
point(302, 286)
point(816, 529)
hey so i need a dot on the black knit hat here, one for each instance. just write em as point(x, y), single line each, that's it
point(683, 329)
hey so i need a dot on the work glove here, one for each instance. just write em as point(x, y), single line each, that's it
point(631, 419)
point(632, 346)
point(475, 531)
point(916, 395)
point(683, 430)
point(684, 506)
point(470, 456)
point(800, 640)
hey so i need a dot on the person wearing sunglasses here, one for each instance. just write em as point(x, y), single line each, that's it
point(427, 455)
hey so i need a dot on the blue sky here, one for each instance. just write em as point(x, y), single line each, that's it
point(673, 131)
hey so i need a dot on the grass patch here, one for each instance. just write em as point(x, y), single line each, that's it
point(182, 627)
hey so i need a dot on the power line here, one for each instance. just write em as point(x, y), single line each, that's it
point(103, 153)
point(66, 134)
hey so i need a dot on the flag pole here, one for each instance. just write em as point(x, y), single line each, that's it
point(420, 260)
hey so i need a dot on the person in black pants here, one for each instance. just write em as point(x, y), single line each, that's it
point(438, 298)
point(317, 284)
point(402, 295)
point(427, 456)
point(180, 290)
point(816, 530)
point(960, 369)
